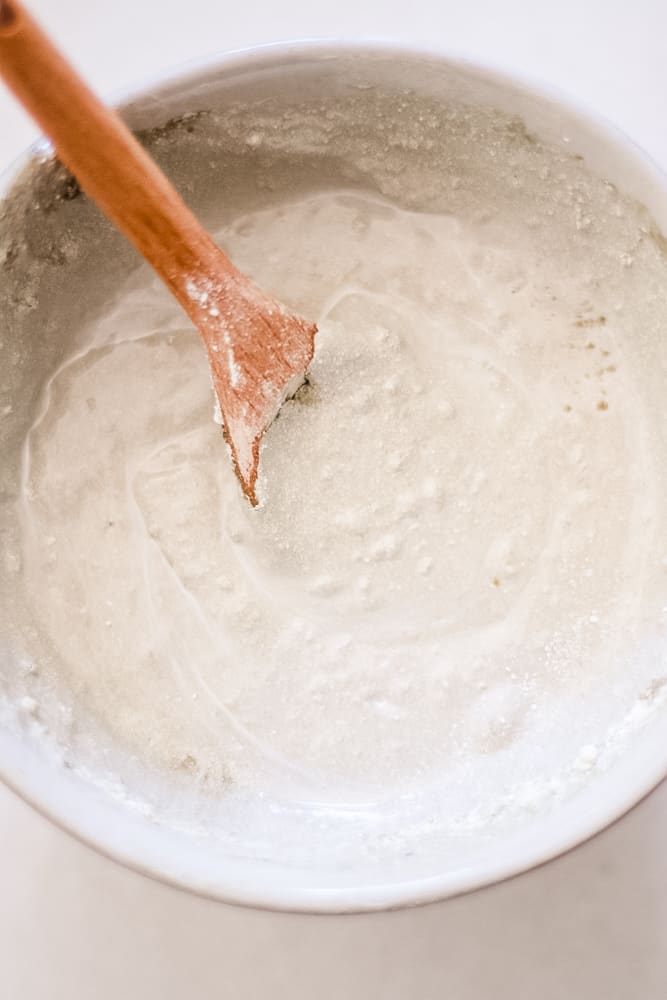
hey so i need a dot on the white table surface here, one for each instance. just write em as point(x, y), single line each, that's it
point(591, 926)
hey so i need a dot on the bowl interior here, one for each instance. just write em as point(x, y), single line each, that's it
point(62, 265)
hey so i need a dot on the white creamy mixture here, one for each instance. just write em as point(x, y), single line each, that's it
point(455, 578)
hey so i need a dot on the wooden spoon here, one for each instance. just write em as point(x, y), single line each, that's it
point(257, 349)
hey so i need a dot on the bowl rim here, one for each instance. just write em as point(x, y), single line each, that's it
point(103, 833)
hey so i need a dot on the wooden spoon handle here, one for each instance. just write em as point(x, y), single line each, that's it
point(109, 163)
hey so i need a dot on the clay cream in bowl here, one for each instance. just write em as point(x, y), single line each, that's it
point(434, 656)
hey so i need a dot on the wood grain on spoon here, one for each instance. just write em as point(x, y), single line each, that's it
point(258, 350)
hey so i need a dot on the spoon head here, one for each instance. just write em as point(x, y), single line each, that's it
point(258, 352)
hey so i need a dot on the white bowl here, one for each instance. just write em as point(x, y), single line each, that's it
point(176, 857)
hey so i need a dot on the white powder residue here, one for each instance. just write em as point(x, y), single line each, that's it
point(201, 292)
